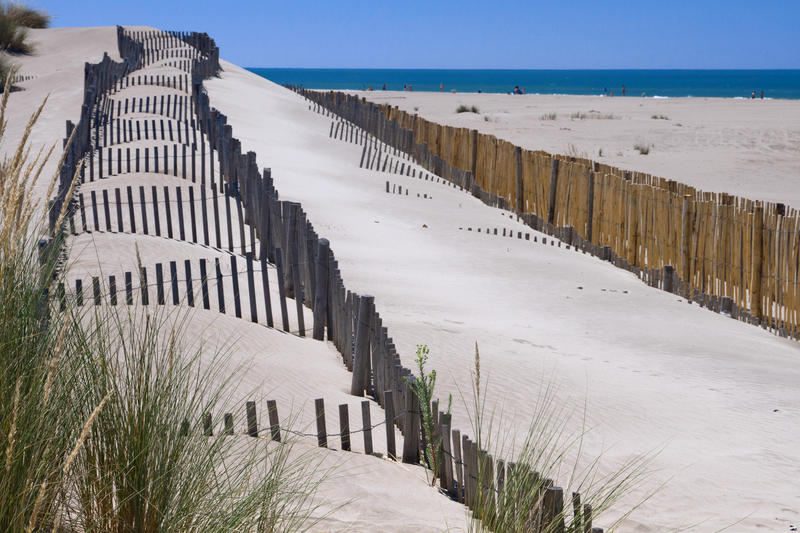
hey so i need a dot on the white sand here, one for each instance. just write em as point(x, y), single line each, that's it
point(269, 364)
point(653, 371)
point(57, 64)
point(746, 147)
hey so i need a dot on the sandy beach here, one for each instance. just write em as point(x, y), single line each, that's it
point(745, 147)
point(712, 400)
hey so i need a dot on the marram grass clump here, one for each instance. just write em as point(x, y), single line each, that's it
point(93, 402)
point(15, 19)
point(467, 109)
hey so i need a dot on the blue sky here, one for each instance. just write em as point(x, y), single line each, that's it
point(471, 34)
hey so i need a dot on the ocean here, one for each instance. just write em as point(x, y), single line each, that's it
point(657, 83)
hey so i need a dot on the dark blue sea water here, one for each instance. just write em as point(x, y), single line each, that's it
point(721, 83)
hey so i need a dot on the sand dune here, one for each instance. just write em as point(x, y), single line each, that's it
point(653, 370)
point(716, 396)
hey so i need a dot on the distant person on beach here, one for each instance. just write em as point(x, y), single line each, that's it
point(441, 86)
point(753, 95)
point(762, 95)
point(623, 90)
point(516, 89)
point(384, 87)
point(405, 87)
point(410, 87)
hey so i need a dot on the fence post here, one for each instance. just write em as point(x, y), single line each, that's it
point(388, 406)
point(520, 186)
point(755, 267)
point(411, 438)
point(590, 208)
point(322, 437)
point(551, 213)
point(252, 423)
point(321, 296)
point(281, 290)
point(686, 240)
point(344, 426)
point(274, 424)
point(237, 304)
point(361, 359)
point(669, 271)
point(474, 159)
point(251, 287)
point(294, 264)
point(447, 482)
point(366, 423)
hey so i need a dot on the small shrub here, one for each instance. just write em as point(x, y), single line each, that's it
point(659, 117)
point(593, 114)
point(643, 149)
point(416, 108)
point(15, 19)
point(13, 38)
point(423, 387)
point(28, 17)
point(486, 118)
point(467, 109)
point(548, 116)
point(600, 153)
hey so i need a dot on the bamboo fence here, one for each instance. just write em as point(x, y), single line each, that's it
point(725, 251)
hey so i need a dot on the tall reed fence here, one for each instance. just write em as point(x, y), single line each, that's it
point(280, 234)
point(729, 253)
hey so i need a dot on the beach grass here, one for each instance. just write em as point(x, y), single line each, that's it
point(573, 151)
point(94, 405)
point(15, 19)
point(467, 109)
point(546, 455)
point(593, 115)
point(26, 16)
point(150, 462)
point(39, 423)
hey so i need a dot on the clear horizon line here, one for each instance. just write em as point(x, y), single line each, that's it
point(541, 68)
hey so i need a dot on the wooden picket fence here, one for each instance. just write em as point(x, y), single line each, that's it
point(725, 252)
point(466, 473)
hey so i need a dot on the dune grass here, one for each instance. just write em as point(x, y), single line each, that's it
point(149, 463)
point(26, 16)
point(467, 109)
point(528, 499)
point(593, 115)
point(15, 19)
point(93, 405)
point(39, 424)
point(573, 151)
